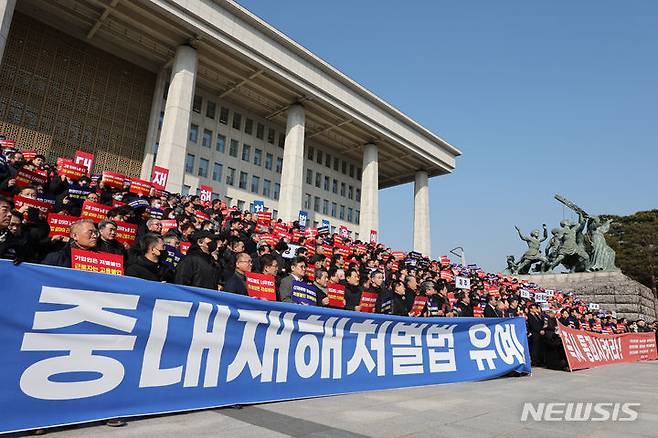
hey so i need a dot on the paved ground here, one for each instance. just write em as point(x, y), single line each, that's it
point(473, 409)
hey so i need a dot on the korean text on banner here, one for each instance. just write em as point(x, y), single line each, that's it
point(103, 262)
point(261, 286)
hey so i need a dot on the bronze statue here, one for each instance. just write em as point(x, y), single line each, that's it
point(603, 257)
point(533, 254)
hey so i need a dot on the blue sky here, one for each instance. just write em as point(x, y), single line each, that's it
point(541, 97)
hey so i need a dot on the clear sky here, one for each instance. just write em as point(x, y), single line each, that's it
point(542, 97)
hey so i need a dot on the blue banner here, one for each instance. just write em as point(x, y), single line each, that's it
point(80, 346)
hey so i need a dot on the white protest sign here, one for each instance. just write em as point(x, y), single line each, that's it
point(462, 283)
point(594, 306)
point(524, 293)
point(290, 252)
point(540, 297)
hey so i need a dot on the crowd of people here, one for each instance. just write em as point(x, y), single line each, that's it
point(182, 240)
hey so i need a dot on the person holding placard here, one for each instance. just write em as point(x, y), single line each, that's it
point(297, 271)
point(107, 242)
point(84, 236)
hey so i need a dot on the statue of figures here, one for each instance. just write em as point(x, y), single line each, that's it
point(572, 253)
point(533, 254)
point(603, 257)
point(512, 266)
point(552, 248)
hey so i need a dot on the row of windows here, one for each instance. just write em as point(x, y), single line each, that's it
point(331, 185)
point(338, 165)
point(331, 208)
point(236, 122)
point(268, 189)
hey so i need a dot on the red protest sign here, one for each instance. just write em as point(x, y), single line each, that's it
point(8, 144)
point(126, 233)
point(269, 239)
point(25, 177)
point(261, 286)
point(71, 170)
point(373, 236)
point(444, 260)
point(139, 186)
point(343, 231)
point(84, 158)
point(29, 155)
point(184, 247)
point(296, 235)
point(368, 300)
point(96, 261)
point(113, 179)
point(310, 232)
point(205, 194)
point(201, 215)
point(60, 224)
point(168, 224)
point(159, 177)
point(94, 211)
point(478, 312)
point(447, 276)
point(419, 305)
point(19, 201)
point(336, 294)
point(310, 272)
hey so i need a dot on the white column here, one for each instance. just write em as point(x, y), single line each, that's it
point(422, 241)
point(6, 14)
point(369, 217)
point(292, 178)
point(154, 120)
point(176, 122)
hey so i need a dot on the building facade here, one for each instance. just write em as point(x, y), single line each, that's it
point(209, 91)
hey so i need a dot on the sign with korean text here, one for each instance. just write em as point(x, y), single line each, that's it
point(84, 158)
point(462, 283)
point(261, 286)
point(60, 224)
point(113, 179)
point(418, 305)
point(159, 177)
point(102, 262)
point(126, 233)
point(94, 211)
point(26, 177)
point(43, 207)
point(303, 293)
point(336, 294)
point(205, 194)
point(373, 237)
point(368, 301)
point(71, 170)
point(140, 187)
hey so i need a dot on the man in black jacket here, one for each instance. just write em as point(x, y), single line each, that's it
point(198, 267)
point(536, 330)
point(463, 306)
point(352, 290)
point(107, 241)
point(83, 236)
point(490, 308)
point(237, 282)
point(148, 264)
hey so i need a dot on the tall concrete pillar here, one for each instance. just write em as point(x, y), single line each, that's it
point(6, 15)
point(422, 240)
point(154, 120)
point(292, 178)
point(369, 217)
point(176, 122)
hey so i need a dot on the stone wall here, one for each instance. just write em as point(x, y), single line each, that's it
point(612, 290)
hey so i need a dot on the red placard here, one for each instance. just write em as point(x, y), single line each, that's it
point(343, 231)
point(19, 201)
point(60, 224)
point(588, 350)
point(159, 177)
point(139, 186)
point(373, 236)
point(71, 170)
point(269, 239)
point(445, 261)
point(368, 300)
point(205, 194)
point(29, 155)
point(296, 235)
point(621, 328)
point(7, 144)
point(419, 305)
point(310, 272)
point(261, 286)
point(96, 261)
point(399, 255)
point(447, 276)
point(201, 215)
point(336, 294)
point(126, 233)
point(113, 179)
point(451, 298)
point(478, 312)
point(168, 224)
point(94, 211)
point(84, 158)
point(184, 247)
point(310, 232)
point(25, 177)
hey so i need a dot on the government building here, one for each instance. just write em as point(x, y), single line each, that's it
point(217, 96)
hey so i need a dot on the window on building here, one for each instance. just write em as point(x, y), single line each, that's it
point(277, 189)
point(333, 209)
point(223, 115)
point(309, 176)
point(342, 189)
point(206, 140)
point(197, 103)
point(282, 140)
point(203, 168)
point(260, 131)
point(230, 178)
point(242, 183)
point(336, 163)
point(246, 152)
point(318, 180)
point(161, 120)
point(344, 168)
point(358, 195)
point(357, 217)
point(248, 126)
point(350, 214)
point(228, 201)
point(258, 157)
point(255, 184)
point(268, 161)
point(237, 120)
point(307, 201)
point(341, 212)
point(186, 190)
point(326, 183)
point(194, 133)
point(279, 164)
point(233, 148)
point(221, 143)
point(325, 206)
point(327, 160)
point(270, 135)
point(351, 170)
point(316, 204)
point(309, 153)
point(217, 172)
point(240, 205)
point(358, 173)
point(318, 157)
point(211, 109)
point(350, 193)
point(266, 187)
point(189, 163)
point(334, 186)
point(275, 214)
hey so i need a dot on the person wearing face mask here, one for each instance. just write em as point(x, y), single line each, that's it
point(198, 268)
point(148, 264)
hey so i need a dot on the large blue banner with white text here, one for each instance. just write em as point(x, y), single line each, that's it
point(81, 346)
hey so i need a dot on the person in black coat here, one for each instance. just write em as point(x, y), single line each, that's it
point(237, 282)
point(536, 326)
point(148, 264)
point(198, 268)
point(83, 236)
point(399, 299)
point(107, 242)
point(463, 306)
point(352, 290)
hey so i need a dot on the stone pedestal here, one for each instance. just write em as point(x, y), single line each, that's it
point(613, 291)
